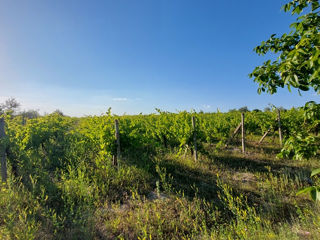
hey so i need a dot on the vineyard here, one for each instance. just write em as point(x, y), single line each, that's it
point(185, 175)
point(84, 178)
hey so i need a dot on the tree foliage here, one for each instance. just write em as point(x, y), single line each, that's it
point(10, 105)
point(244, 109)
point(298, 61)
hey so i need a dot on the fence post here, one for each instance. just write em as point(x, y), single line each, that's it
point(194, 138)
point(117, 136)
point(279, 124)
point(242, 133)
point(3, 152)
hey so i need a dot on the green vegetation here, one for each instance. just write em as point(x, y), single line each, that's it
point(62, 184)
point(297, 66)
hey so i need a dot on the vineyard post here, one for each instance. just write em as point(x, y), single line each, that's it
point(242, 133)
point(279, 124)
point(264, 135)
point(194, 138)
point(3, 152)
point(117, 136)
point(233, 134)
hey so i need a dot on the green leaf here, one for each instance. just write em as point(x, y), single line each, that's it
point(314, 194)
point(315, 172)
point(305, 190)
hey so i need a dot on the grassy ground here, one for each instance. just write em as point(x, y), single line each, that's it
point(225, 195)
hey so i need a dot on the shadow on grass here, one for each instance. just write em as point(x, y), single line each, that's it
point(183, 179)
point(253, 146)
point(196, 180)
point(254, 162)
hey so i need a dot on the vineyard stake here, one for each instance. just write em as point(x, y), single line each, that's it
point(3, 152)
point(264, 135)
point(242, 133)
point(279, 124)
point(194, 138)
point(117, 136)
point(233, 134)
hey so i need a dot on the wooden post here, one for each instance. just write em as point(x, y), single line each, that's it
point(194, 138)
point(264, 135)
point(117, 136)
point(279, 124)
point(233, 134)
point(242, 133)
point(3, 152)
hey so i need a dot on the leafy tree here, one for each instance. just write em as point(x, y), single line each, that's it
point(10, 105)
point(244, 109)
point(267, 109)
point(30, 114)
point(282, 109)
point(298, 61)
point(58, 112)
point(297, 66)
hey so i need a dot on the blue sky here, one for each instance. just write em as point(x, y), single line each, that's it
point(84, 56)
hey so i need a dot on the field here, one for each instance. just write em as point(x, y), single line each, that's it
point(63, 182)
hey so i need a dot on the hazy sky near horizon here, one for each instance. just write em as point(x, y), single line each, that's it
point(83, 57)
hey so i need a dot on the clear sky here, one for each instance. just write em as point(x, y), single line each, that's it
point(137, 55)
